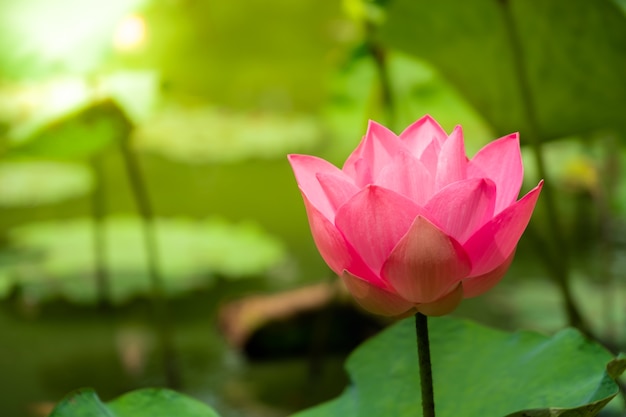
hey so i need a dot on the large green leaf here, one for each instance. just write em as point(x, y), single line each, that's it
point(477, 371)
point(149, 402)
point(572, 52)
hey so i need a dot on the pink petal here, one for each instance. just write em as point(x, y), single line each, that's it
point(420, 134)
point(359, 171)
point(373, 221)
point(426, 264)
point(430, 157)
point(452, 161)
point(306, 168)
point(445, 305)
point(375, 299)
point(476, 286)
point(338, 189)
point(493, 243)
point(407, 176)
point(376, 149)
point(463, 207)
point(500, 161)
point(337, 253)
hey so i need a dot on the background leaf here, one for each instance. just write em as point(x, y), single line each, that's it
point(477, 371)
point(80, 134)
point(149, 402)
point(569, 52)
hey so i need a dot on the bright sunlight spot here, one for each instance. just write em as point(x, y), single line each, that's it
point(130, 33)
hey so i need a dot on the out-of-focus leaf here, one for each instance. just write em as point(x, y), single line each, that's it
point(28, 183)
point(78, 135)
point(477, 371)
point(148, 402)
point(207, 134)
point(191, 254)
point(573, 52)
point(28, 107)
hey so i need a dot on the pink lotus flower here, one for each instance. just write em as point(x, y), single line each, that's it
point(410, 223)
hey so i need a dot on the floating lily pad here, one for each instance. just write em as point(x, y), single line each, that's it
point(33, 183)
point(191, 255)
point(207, 134)
point(477, 372)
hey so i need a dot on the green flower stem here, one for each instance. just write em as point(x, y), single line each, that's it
point(160, 305)
point(426, 374)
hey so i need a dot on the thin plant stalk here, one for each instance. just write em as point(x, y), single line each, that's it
point(159, 300)
point(603, 195)
point(561, 259)
point(426, 374)
point(98, 200)
point(379, 55)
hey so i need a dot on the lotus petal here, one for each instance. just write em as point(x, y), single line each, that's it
point(406, 175)
point(375, 299)
point(377, 148)
point(452, 161)
point(374, 220)
point(306, 168)
point(337, 253)
point(418, 136)
point(473, 287)
point(338, 189)
point(426, 264)
point(463, 207)
point(445, 305)
point(493, 243)
point(500, 161)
